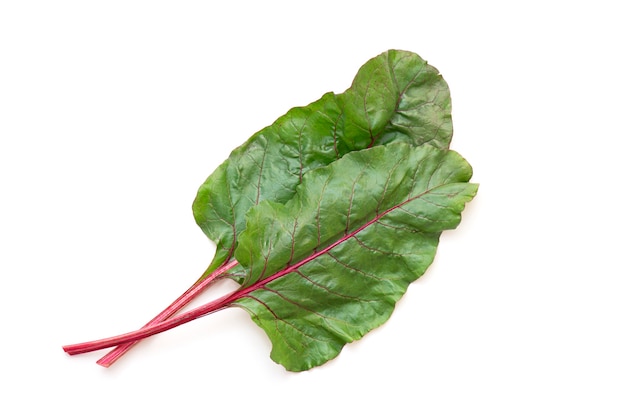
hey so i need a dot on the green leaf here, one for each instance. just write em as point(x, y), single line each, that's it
point(395, 97)
point(327, 215)
point(267, 167)
point(329, 265)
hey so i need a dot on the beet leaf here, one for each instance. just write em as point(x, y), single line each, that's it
point(395, 97)
point(329, 265)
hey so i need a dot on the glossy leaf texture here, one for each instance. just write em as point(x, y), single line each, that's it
point(395, 97)
point(329, 265)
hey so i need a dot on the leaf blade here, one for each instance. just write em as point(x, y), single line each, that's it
point(417, 109)
point(315, 301)
point(272, 162)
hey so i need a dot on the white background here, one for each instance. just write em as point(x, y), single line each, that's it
point(113, 113)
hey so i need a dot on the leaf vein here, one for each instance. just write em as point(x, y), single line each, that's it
point(329, 290)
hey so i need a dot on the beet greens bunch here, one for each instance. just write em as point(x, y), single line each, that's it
point(326, 216)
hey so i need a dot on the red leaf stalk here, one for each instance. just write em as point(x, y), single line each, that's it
point(176, 306)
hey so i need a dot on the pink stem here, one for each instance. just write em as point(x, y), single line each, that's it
point(185, 317)
point(176, 306)
point(218, 304)
point(134, 336)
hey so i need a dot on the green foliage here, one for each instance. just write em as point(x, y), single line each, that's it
point(326, 216)
point(395, 97)
point(366, 217)
point(329, 265)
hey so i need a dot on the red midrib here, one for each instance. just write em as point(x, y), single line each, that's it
point(261, 283)
point(224, 301)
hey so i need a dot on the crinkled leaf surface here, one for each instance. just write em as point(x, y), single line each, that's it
point(329, 265)
point(396, 96)
point(268, 166)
